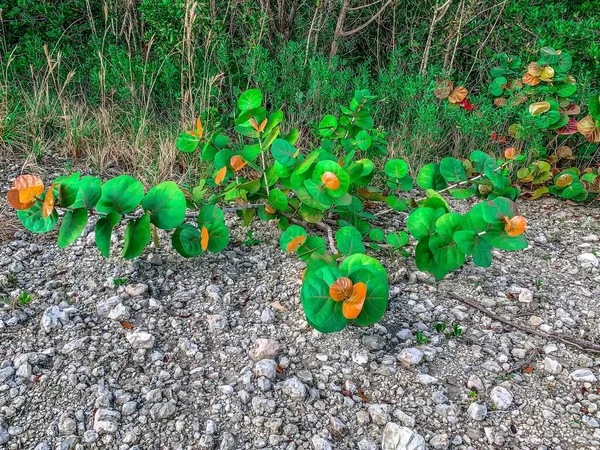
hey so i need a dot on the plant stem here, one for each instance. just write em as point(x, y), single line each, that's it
point(262, 158)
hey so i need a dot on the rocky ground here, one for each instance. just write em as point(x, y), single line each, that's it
point(215, 353)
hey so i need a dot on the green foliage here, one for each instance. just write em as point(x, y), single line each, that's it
point(333, 186)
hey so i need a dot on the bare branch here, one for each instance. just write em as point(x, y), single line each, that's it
point(358, 8)
point(368, 22)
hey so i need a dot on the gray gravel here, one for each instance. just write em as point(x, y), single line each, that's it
point(215, 353)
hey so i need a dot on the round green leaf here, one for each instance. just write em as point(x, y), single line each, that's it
point(250, 99)
point(283, 152)
point(137, 236)
point(349, 240)
point(328, 125)
point(430, 177)
point(186, 239)
point(278, 200)
point(363, 140)
point(376, 300)
point(322, 312)
point(445, 252)
point(72, 226)
point(453, 170)
point(90, 190)
point(425, 260)
point(360, 261)
point(166, 204)
point(294, 235)
point(376, 234)
point(210, 213)
point(33, 219)
point(421, 222)
point(218, 236)
point(471, 243)
point(396, 168)
point(121, 194)
point(104, 227)
point(397, 240)
point(314, 245)
point(329, 166)
point(187, 143)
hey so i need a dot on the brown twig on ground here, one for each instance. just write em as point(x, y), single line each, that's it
point(581, 344)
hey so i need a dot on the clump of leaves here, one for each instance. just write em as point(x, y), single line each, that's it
point(421, 338)
point(120, 282)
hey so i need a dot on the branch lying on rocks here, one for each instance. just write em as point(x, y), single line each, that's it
point(581, 344)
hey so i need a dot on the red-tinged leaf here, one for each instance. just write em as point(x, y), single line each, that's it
point(569, 128)
point(36, 378)
point(127, 325)
point(466, 105)
point(528, 369)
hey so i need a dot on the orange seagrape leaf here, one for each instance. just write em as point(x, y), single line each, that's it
point(48, 205)
point(510, 153)
point(204, 236)
point(515, 226)
point(199, 130)
point(330, 180)
point(564, 180)
point(295, 243)
point(221, 175)
point(341, 289)
point(458, 94)
point(24, 190)
point(531, 80)
point(256, 126)
point(352, 307)
point(237, 163)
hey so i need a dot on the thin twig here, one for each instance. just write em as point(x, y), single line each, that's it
point(581, 344)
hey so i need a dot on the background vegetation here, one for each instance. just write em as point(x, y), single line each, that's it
point(114, 82)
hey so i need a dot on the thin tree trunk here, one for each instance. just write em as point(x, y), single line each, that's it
point(438, 14)
point(339, 27)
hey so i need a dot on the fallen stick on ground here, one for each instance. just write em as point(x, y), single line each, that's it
point(575, 342)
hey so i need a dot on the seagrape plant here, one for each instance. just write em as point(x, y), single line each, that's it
point(330, 202)
point(546, 89)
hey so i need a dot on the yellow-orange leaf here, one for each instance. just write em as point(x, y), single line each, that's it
point(352, 307)
point(510, 153)
point(48, 206)
point(538, 108)
point(515, 226)
point(237, 163)
point(269, 209)
point(458, 94)
point(499, 102)
point(221, 175)
point(564, 180)
point(199, 129)
point(341, 289)
point(587, 127)
point(24, 190)
point(295, 243)
point(256, 126)
point(547, 74)
point(531, 80)
point(330, 180)
point(204, 237)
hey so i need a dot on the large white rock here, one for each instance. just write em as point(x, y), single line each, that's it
point(140, 339)
point(501, 397)
point(396, 437)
